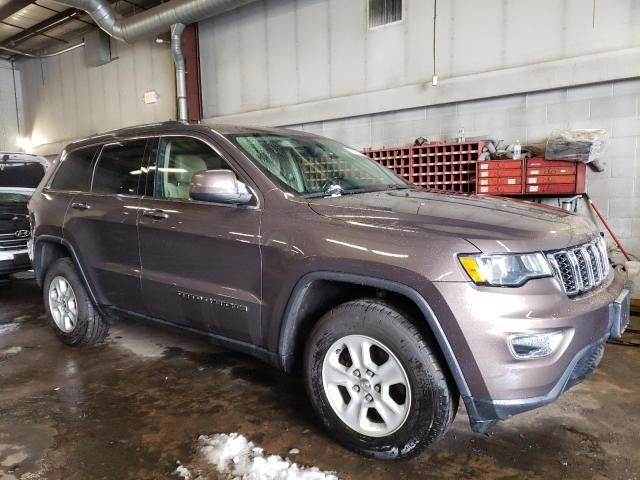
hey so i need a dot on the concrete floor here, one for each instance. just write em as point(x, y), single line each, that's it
point(133, 407)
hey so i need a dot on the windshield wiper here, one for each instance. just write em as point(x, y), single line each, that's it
point(332, 191)
point(337, 190)
point(341, 192)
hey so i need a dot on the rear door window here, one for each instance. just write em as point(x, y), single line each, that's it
point(74, 172)
point(20, 174)
point(119, 168)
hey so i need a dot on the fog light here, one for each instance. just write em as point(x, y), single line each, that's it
point(525, 347)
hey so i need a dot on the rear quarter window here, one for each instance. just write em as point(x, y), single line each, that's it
point(74, 172)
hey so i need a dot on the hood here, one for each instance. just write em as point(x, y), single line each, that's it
point(493, 224)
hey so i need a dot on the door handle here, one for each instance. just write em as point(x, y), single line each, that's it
point(80, 206)
point(156, 214)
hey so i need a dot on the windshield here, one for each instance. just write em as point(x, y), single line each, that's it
point(13, 198)
point(20, 175)
point(309, 166)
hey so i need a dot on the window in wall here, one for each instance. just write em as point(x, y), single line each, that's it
point(73, 173)
point(383, 12)
point(119, 167)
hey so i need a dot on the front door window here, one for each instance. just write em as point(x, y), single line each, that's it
point(178, 159)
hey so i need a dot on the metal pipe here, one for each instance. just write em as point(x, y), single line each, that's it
point(46, 55)
point(181, 76)
point(606, 225)
point(154, 21)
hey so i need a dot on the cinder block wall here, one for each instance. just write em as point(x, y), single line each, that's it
point(529, 118)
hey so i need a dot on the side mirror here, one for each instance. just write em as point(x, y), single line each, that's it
point(221, 186)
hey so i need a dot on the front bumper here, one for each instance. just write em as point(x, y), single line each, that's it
point(488, 316)
point(14, 261)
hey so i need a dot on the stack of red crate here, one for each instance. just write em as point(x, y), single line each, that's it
point(440, 166)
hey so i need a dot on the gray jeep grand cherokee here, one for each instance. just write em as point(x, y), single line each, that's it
point(394, 301)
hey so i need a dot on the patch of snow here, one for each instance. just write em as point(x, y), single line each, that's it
point(10, 351)
point(8, 327)
point(183, 472)
point(294, 451)
point(236, 458)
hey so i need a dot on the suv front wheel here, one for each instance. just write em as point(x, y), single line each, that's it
point(70, 311)
point(375, 381)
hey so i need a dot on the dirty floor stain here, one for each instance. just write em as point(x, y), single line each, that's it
point(136, 405)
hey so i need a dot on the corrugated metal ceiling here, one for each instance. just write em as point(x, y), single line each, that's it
point(17, 29)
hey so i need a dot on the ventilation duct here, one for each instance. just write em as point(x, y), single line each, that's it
point(154, 21)
point(97, 48)
point(174, 14)
point(181, 73)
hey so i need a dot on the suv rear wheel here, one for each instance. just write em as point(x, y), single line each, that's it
point(70, 311)
point(375, 382)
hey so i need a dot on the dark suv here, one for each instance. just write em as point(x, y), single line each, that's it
point(393, 300)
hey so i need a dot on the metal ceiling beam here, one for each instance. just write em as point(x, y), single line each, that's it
point(42, 27)
point(58, 11)
point(13, 7)
point(22, 29)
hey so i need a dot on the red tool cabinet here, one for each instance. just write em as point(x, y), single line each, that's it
point(532, 177)
point(500, 177)
point(550, 177)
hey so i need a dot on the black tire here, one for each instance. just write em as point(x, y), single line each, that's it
point(434, 397)
point(90, 327)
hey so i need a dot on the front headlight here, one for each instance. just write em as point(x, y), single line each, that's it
point(505, 270)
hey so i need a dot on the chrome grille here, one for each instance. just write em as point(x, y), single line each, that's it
point(8, 241)
point(581, 268)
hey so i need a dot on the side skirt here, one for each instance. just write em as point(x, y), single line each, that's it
point(218, 340)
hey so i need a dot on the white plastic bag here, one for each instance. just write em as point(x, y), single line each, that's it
point(585, 145)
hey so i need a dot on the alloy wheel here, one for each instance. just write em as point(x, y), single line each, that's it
point(366, 385)
point(63, 304)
